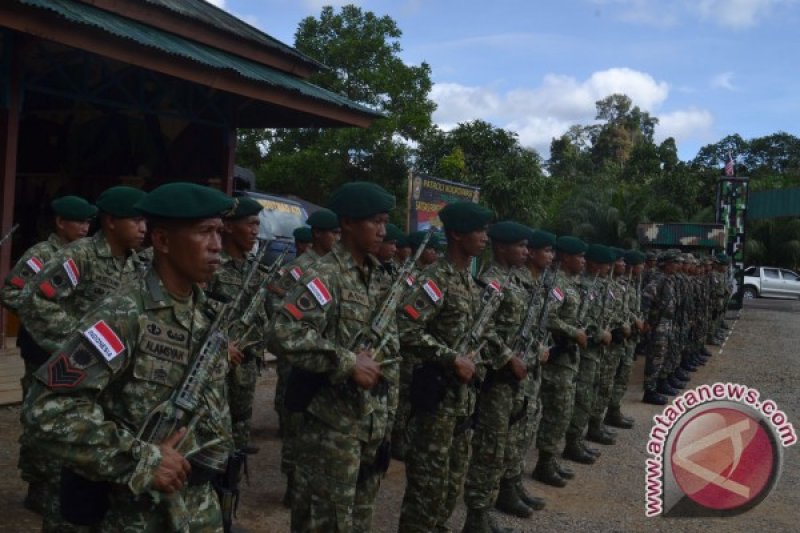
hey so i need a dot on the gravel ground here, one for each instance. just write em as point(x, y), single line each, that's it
point(607, 496)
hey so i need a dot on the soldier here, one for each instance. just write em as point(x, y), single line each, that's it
point(485, 485)
point(431, 253)
point(72, 282)
point(719, 297)
point(558, 375)
point(121, 361)
point(388, 248)
point(302, 240)
point(659, 301)
point(527, 407)
point(635, 265)
point(239, 235)
point(73, 215)
point(597, 291)
point(438, 314)
point(403, 250)
point(347, 401)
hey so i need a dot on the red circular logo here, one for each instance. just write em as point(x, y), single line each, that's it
point(723, 459)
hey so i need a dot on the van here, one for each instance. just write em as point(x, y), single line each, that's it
point(279, 218)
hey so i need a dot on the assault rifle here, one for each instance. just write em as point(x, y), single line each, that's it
point(470, 342)
point(530, 333)
point(245, 320)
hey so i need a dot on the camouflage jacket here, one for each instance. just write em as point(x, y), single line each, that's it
point(594, 289)
point(315, 329)
point(435, 315)
point(534, 285)
point(566, 315)
point(228, 282)
point(509, 314)
point(618, 292)
point(75, 278)
point(659, 299)
point(122, 360)
point(30, 264)
point(288, 275)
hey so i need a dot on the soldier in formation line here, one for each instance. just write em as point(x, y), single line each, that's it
point(459, 374)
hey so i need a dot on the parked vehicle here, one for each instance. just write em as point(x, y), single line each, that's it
point(279, 218)
point(770, 282)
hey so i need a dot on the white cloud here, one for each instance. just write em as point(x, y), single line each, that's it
point(683, 125)
point(735, 14)
point(723, 80)
point(218, 3)
point(539, 114)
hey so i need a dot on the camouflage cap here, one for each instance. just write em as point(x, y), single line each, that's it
point(121, 202)
point(183, 201)
point(393, 233)
point(570, 245)
point(360, 199)
point(73, 208)
point(668, 256)
point(600, 254)
point(464, 217)
point(539, 238)
point(245, 207)
point(302, 234)
point(323, 219)
point(508, 231)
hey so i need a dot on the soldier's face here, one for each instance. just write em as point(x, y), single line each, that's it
point(573, 264)
point(193, 249)
point(129, 232)
point(325, 239)
point(474, 242)
point(367, 234)
point(637, 269)
point(243, 232)
point(619, 267)
point(429, 256)
point(301, 247)
point(386, 251)
point(517, 253)
point(72, 230)
point(541, 258)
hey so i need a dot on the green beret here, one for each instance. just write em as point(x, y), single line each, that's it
point(634, 257)
point(402, 242)
point(393, 233)
point(722, 259)
point(508, 231)
point(464, 217)
point(302, 234)
point(539, 238)
point(184, 201)
point(323, 219)
point(73, 208)
point(597, 253)
point(245, 207)
point(619, 253)
point(570, 245)
point(120, 202)
point(360, 199)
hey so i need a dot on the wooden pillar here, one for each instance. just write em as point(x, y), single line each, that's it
point(9, 136)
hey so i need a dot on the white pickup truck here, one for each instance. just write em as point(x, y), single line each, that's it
point(770, 282)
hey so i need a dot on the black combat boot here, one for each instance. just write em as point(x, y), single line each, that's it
point(477, 521)
point(682, 374)
point(534, 502)
point(509, 502)
point(564, 471)
point(688, 366)
point(288, 496)
point(676, 383)
point(615, 418)
point(546, 471)
point(598, 434)
point(591, 451)
point(35, 499)
point(664, 388)
point(575, 452)
point(654, 398)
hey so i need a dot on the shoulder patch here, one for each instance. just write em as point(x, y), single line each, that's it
point(411, 311)
point(319, 290)
point(17, 282)
point(432, 290)
point(557, 293)
point(105, 340)
point(61, 374)
point(72, 272)
point(35, 264)
point(296, 273)
point(48, 290)
point(294, 311)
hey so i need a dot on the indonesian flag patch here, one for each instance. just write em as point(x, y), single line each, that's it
point(558, 294)
point(319, 290)
point(296, 273)
point(432, 290)
point(105, 340)
point(495, 286)
point(72, 272)
point(410, 281)
point(35, 264)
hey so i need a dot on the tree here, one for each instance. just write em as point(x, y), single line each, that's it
point(362, 53)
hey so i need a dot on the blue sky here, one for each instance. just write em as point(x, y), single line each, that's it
point(705, 68)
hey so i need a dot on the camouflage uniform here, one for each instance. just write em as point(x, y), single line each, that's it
point(122, 360)
point(337, 476)
point(491, 441)
point(436, 314)
point(623, 371)
point(659, 301)
point(11, 295)
point(67, 288)
point(229, 282)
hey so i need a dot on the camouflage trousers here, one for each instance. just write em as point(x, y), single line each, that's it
point(585, 391)
point(490, 442)
point(283, 368)
point(436, 464)
point(33, 468)
point(334, 484)
point(525, 413)
point(558, 400)
point(612, 356)
point(623, 375)
point(242, 387)
point(52, 521)
point(656, 353)
point(403, 412)
point(292, 425)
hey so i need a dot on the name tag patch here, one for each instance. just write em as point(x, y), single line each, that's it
point(102, 337)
